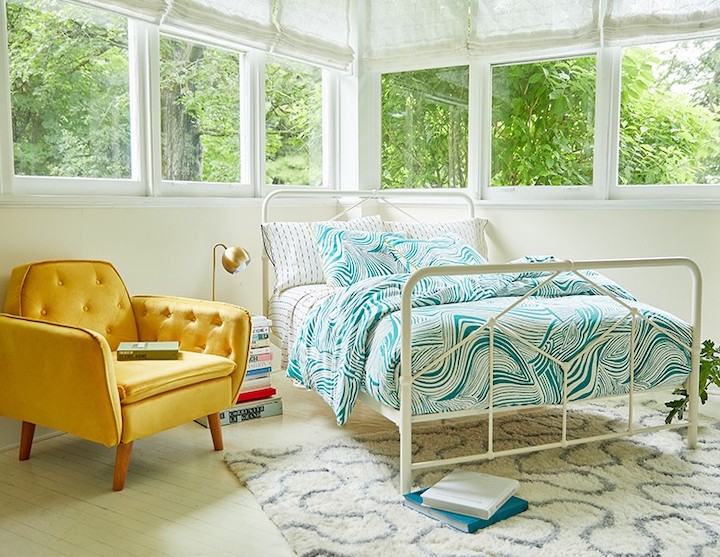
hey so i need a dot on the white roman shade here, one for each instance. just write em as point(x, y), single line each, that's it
point(247, 23)
point(637, 21)
point(411, 29)
point(319, 29)
point(529, 25)
point(316, 31)
point(150, 10)
point(398, 33)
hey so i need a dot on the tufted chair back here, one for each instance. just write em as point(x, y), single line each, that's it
point(88, 294)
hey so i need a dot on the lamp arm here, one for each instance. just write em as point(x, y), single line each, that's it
point(214, 265)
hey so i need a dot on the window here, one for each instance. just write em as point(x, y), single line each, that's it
point(293, 123)
point(69, 83)
point(543, 123)
point(200, 112)
point(670, 114)
point(425, 128)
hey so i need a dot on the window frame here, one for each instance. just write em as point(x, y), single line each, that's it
point(512, 194)
point(14, 184)
point(144, 98)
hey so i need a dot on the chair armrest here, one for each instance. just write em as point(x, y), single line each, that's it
point(199, 326)
point(59, 376)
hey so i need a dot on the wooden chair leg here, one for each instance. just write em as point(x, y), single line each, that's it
point(216, 430)
point(122, 461)
point(26, 440)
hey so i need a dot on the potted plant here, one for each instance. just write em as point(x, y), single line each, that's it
point(709, 375)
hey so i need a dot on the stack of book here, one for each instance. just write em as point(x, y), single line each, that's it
point(257, 397)
point(257, 383)
point(468, 500)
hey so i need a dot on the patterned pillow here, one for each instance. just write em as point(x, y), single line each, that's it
point(442, 251)
point(349, 256)
point(470, 230)
point(291, 248)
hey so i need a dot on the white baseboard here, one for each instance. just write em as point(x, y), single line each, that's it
point(15, 446)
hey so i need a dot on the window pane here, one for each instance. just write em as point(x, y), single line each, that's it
point(199, 112)
point(543, 117)
point(69, 84)
point(293, 123)
point(425, 128)
point(670, 114)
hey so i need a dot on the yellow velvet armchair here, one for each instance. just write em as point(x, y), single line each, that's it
point(62, 324)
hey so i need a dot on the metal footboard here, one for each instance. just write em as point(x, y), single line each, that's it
point(405, 418)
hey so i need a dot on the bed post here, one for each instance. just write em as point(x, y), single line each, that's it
point(406, 382)
point(694, 379)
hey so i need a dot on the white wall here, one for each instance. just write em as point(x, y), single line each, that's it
point(167, 250)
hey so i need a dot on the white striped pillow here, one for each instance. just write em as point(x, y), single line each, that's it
point(292, 249)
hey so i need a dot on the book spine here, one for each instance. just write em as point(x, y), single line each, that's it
point(154, 355)
point(264, 409)
point(256, 394)
point(253, 383)
point(267, 357)
point(258, 372)
point(259, 365)
point(260, 321)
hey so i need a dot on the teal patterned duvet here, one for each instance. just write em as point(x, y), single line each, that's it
point(351, 342)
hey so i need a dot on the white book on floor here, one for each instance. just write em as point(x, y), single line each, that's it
point(470, 493)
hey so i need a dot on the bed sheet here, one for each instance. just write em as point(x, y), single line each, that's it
point(351, 341)
point(287, 311)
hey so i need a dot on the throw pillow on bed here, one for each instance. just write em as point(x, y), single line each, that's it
point(449, 249)
point(350, 256)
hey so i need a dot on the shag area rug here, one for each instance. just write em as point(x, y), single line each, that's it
point(644, 496)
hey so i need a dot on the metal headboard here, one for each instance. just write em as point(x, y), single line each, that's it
point(360, 197)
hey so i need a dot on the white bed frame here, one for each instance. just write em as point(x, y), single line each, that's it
point(403, 417)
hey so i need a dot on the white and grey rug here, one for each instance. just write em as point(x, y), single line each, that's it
point(649, 496)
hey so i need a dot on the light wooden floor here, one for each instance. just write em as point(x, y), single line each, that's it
point(180, 498)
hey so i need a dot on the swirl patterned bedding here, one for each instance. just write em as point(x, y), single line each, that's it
point(351, 342)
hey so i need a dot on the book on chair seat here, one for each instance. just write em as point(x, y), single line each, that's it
point(149, 350)
point(470, 493)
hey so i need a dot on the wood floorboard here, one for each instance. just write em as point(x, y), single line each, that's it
point(180, 498)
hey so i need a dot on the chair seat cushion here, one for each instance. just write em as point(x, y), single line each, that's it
point(141, 379)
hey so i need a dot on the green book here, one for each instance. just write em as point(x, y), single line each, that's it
point(149, 350)
point(465, 523)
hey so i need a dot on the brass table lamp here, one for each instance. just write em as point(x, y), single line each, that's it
point(234, 260)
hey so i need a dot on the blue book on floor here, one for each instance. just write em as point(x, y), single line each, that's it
point(469, 524)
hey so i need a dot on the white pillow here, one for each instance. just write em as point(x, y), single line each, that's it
point(292, 249)
point(470, 230)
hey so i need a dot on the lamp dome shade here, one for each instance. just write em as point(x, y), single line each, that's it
point(235, 259)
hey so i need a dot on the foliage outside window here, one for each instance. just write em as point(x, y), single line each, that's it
point(69, 85)
point(543, 123)
point(293, 123)
point(425, 128)
point(670, 114)
point(200, 112)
